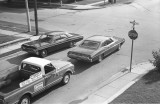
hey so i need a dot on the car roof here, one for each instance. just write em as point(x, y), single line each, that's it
point(36, 61)
point(99, 38)
point(55, 32)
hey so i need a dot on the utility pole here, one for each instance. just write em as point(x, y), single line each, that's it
point(61, 2)
point(36, 18)
point(28, 16)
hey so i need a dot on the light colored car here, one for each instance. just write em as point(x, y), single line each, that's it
point(96, 48)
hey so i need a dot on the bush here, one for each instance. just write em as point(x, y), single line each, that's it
point(156, 61)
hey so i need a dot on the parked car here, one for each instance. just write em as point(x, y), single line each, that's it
point(34, 76)
point(96, 48)
point(51, 41)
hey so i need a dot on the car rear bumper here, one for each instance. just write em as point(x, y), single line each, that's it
point(80, 58)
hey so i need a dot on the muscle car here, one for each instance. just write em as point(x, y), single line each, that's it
point(95, 48)
point(34, 76)
point(51, 41)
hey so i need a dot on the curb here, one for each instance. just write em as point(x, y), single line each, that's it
point(3, 55)
point(114, 77)
point(123, 89)
point(145, 66)
point(120, 91)
point(13, 42)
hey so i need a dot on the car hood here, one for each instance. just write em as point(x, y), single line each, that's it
point(83, 50)
point(60, 64)
point(36, 43)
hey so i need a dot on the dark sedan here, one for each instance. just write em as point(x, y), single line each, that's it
point(96, 48)
point(51, 41)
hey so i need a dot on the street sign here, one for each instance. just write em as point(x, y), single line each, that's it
point(133, 34)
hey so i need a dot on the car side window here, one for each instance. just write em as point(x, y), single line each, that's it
point(48, 68)
point(69, 35)
point(30, 68)
point(107, 42)
point(63, 36)
point(57, 38)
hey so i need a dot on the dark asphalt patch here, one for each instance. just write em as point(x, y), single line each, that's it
point(6, 38)
point(10, 52)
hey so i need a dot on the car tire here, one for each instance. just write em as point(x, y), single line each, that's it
point(43, 53)
point(119, 47)
point(71, 44)
point(25, 100)
point(66, 78)
point(100, 58)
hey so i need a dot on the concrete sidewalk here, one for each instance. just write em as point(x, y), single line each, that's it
point(117, 84)
point(15, 44)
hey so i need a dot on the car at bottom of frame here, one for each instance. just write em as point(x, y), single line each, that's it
point(95, 48)
point(51, 41)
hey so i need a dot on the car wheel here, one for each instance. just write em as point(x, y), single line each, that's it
point(43, 53)
point(119, 47)
point(100, 58)
point(25, 100)
point(71, 44)
point(66, 78)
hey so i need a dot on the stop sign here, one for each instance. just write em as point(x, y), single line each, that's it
point(133, 34)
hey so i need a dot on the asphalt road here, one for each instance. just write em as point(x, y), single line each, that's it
point(113, 20)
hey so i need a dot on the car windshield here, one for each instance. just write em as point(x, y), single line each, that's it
point(45, 38)
point(90, 44)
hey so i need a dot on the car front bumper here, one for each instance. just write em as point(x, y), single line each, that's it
point(32, 51)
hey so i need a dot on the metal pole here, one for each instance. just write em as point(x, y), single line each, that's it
point(50, 3)
point(28, 16)
point(61, 2)
point(35, 15)
point(131, 56)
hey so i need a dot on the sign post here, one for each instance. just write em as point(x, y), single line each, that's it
point(133, 35)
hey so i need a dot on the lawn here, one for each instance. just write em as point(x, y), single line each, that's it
point(146, 90)
point(7, 38)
